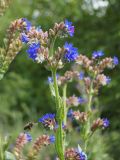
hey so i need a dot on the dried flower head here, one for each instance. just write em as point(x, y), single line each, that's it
point(101, 79)
point(40, 142)
point(100, 123)
point(84, 61)
point(67, 77)
point(75, 154)
point(75, 101)
point(80, 116)
point(22, 139)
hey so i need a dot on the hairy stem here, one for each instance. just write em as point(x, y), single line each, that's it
point(59, 143)
point(65, 111)
point(88, 109)
point(64, 104)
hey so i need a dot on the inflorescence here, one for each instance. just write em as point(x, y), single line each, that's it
point(40, 48)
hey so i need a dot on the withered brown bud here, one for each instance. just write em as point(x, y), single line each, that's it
point(87, 82)
point(61, 25)
point(40, 142)
point(67, 77)
point(80, 116)
point(97, 124)
point(84, 61)
point(14, 47)
point(42, 54)
point(105, 63)
point(20, 142)
point(51, 33)
point(58, 27)
point(73, 101)
point(101, 79)
point(36, 35)
point(59, 54)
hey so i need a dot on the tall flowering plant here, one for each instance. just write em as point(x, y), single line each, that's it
point(41, 48)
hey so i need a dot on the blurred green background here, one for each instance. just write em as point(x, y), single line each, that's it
point(24, 94)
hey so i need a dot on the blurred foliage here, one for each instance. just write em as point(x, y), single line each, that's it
point(4, 4)
point(24, 93)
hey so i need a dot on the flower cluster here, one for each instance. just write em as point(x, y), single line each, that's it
point(67, 77)
point(100, 123)
point(48, 121)
point(41, 49)
point(36, 40)
point(40, 142)
point(77, 115)
point(97, 54)
point(12, 47)
point(22, 139)
point(94, 66)
point(75, 154)
point(71, 53)
point(43, 141)
point(75, 101)
point(101, 79)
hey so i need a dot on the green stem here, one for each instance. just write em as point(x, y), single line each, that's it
point(56, 89)
point(59, 143)
point(1, 150)
point(65, 111)
point(88, 109)
point(64, 104)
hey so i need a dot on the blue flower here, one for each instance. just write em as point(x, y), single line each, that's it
point(106, 122)
point(27, 24)
point(33, 50)
point(81, 100)
point(115, 60)
point(24, 38)
point(71, 52)
point(69, 27)
point(97, 54)
point(63, 126)
point(52, 139)
point(82, 155)
point(50, 80)
point(47, 116)
point(29, 137)
point(70, 113)
point(108, 80)
point(48, 120)
point(81, 75)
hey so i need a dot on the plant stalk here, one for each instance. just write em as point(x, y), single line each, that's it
point(59, 143)
point(64, 104)
point(88, 109)
point(65, 111)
